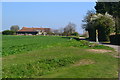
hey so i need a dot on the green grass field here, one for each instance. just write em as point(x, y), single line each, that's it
point(55, 57)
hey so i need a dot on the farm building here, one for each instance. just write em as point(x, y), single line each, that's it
point(33, 31)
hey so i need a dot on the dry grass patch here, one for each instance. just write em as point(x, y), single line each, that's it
point(0, 59)
point(99, 50)
point(117, 56)
point(84, 62)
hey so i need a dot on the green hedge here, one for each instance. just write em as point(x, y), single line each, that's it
point(8, 32)
point(115, 39)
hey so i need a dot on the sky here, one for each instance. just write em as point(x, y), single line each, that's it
point(53, 15)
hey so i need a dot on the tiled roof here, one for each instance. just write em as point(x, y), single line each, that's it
point(26, 29)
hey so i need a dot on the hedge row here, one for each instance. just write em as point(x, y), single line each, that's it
point(115, 39)
point(8, 32)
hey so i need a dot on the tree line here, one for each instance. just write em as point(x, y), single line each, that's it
point(68, 30)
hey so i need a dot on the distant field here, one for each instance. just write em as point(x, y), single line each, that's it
point(55, 57)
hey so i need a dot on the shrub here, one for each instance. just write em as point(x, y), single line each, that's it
point(115, 39)
point(75, 34)
point(8, 32)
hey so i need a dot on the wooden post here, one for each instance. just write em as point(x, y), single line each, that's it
point(97, 36)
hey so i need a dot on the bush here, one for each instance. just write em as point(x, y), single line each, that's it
point(115, 39)
point(8, 32)
point(75, 34)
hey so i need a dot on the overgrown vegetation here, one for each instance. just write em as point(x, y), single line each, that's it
point(37, 68)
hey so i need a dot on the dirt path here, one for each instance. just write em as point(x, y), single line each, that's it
point(116, 47)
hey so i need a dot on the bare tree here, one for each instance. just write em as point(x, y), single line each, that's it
point(87, 19)
point(61, 30)
point(56, 32)
point(69, 29)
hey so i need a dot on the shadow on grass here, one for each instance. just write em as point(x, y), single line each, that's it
point(78, 39)
point(109, 44)
point(87, 39)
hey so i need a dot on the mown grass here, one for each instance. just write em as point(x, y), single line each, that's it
point(56, 61)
